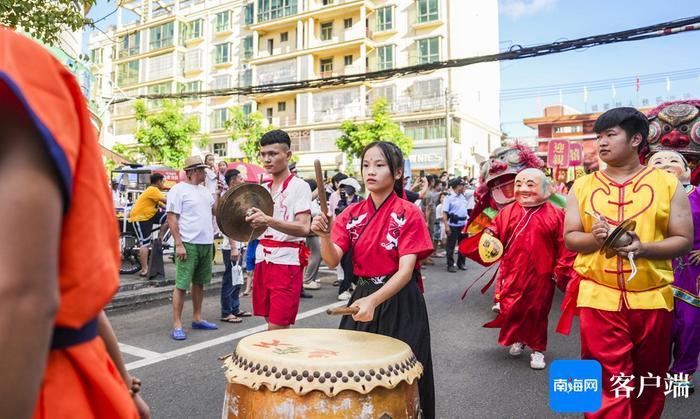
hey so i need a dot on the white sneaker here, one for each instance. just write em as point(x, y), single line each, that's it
point(516, 349)
point(344, 296)
point(312, 285)
point(537, 361)
point(496, 308)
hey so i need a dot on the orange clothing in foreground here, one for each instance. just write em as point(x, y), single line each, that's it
point(80, 381)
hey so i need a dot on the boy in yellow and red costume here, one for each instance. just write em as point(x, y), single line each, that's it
point(625, 319)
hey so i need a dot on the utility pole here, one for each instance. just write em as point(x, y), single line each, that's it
point(449, 166)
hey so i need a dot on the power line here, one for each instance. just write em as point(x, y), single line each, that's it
point(599, 85)
point(516, 52)
point(519, 90)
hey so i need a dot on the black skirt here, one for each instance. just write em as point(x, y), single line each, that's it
point(402, 317)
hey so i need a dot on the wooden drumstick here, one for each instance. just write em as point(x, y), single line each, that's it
point(320, 185)
point(342, 311)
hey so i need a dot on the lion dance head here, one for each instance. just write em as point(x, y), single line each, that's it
point(675, 126)
point(495, 189)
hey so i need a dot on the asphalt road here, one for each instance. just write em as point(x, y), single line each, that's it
point(475, 378)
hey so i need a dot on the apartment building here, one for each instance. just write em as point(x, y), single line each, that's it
point(201, 45)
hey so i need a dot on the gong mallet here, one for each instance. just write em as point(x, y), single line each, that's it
point(320, 186)
point(342, 311)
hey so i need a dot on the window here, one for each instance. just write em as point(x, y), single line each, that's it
point(385, 18)
point(191, 87)
point(194, 29)
point(221, 82)
point(223, 21)
point(568, 129)
point(347, 23)
point(268, 115)
point(428, 50)
point(193, 60)
point(160, 67)
point(161, 36)
point(270, 46)
point(219, 149)
point(388, 92)
point(248, 14)
point(386, 57)
point(326, 31)
point(222, 53)
point(129, 44)
point(247, 108)
point(432, 129)
point(348, 60)
point(158, 89)
point(281, 106)
point(427, 88)
point(96, 56)
point(219, 118)
point(248, 47)
point(273, 9)
point(128, 73)
point(284, 37)
point(427, 11)
point(327, 2)
point(327, 67)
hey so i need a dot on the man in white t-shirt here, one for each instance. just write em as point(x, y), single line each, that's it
point(281, 255)
point(190, 208)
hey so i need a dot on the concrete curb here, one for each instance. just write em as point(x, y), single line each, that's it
point(136, 294)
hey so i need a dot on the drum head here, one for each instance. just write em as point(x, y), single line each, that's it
point(234, 205)
point(327, 360)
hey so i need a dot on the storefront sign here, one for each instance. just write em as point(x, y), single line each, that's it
point(427, 158)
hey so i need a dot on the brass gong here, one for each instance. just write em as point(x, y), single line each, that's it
point(615, 236)
point(234, 206)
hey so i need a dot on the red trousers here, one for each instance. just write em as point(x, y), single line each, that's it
point(629, 342)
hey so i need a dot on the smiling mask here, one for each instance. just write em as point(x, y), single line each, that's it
point(532, 188)
point(673, 163)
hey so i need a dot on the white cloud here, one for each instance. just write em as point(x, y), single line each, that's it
point(515, 9)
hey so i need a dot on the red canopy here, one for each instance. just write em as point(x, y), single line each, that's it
point(251, 172)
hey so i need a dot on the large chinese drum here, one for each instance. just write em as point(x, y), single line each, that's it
point(322, 373)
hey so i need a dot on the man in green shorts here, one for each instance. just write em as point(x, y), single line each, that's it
point(190, 208)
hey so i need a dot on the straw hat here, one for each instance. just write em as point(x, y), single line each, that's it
point(194, 162)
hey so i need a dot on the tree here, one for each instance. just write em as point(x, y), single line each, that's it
point(382, 128)
point(246, 129)
point(45, 20)
point(165, 136)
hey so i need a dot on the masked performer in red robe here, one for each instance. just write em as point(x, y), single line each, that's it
point(495, 192)
point(530, 226)
point(386, 237)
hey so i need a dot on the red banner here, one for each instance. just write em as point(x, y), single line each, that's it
point(575, 154)
point(558, 153)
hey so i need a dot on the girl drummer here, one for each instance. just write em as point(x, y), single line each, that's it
point(387, 237)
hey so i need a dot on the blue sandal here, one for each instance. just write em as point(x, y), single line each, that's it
point(204, 325)
point(178, 334)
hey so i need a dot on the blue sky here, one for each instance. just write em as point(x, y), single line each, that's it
point(529, 22)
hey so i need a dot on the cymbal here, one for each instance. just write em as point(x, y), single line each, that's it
point(234, 205)
point(609, 245)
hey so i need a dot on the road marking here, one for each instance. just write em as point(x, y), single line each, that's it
point(160, 357)
point(140, 352)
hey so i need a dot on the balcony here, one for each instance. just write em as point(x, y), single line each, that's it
point(285, 16)
point(346, 71)
point(415, 103)
point(282, 121)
